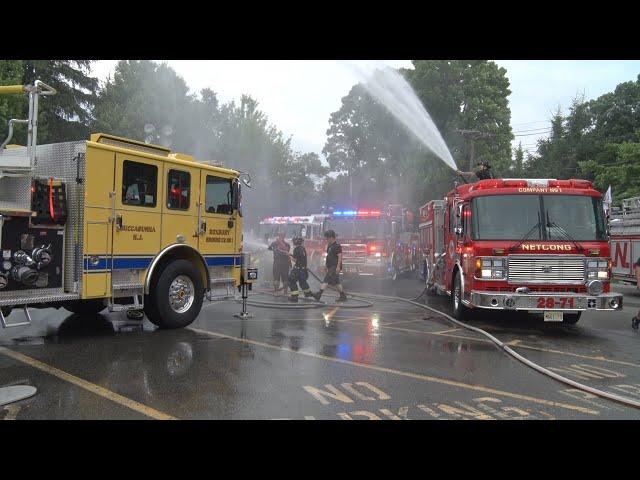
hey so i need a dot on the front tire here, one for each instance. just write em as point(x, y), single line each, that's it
point(395, 273)
point(176, 297)
point(460, 312)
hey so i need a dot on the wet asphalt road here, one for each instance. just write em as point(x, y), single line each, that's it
point(387, 361)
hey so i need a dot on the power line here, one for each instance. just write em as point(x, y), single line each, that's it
point(529, 123)
point(530, 134)
point(532, 130)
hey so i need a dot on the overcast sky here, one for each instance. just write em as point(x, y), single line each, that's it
point(298, 96)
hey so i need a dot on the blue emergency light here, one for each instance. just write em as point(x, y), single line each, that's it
point(354, 213)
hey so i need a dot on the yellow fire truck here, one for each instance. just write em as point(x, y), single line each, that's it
point(112, 223)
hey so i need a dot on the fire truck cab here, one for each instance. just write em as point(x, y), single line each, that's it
point(115, 223)
point(375, 242)
point(533, 245)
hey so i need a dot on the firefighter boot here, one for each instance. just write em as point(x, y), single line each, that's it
point(308, 294)
point(293, 298)
point(342, 297)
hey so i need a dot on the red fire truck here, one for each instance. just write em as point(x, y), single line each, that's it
point(375, 242)
point(310, 227)
point(625, 239)
point(533, 245)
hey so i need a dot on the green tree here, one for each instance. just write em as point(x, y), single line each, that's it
point(518, 161)
point(622, 174)
point(598, 139)
point(552, 156)
point(468, 95)
point(145, 93)
point(10, 105)
point(377, 158)
point(63, 117)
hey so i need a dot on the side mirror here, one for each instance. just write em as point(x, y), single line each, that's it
point(303, 232)
point(237, 197)
point(394, 228)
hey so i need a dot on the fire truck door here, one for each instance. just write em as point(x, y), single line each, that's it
point(138, 206)
point(98, 208)
point(180, 208)
point(218, 221)
point(439, 245)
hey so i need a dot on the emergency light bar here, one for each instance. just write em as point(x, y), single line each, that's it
point(358, 213)
point(286, 220)
point(531, 183)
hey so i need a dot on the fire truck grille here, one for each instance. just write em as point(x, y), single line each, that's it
point(544, 269)
point(354, 253)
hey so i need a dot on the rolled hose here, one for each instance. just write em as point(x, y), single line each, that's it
point(304, 306)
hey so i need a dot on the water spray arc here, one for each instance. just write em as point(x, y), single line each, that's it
point(390, 88)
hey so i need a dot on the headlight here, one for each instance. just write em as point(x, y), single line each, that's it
point(598, 268)
point(490, 268)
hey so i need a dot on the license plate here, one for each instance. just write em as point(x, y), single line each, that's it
point(553, 316)
point(556, 302)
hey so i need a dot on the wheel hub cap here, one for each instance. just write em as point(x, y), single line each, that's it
point(181, 294)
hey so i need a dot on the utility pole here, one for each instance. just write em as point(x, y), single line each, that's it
point(473, 135)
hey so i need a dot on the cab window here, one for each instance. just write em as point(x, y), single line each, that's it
point(219, 196)
point(178, 190)
point(466, 221)
point(139, 184)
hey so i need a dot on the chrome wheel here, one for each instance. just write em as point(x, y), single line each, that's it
point(181, 294)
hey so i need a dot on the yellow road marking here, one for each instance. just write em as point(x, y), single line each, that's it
point(91, 387)
point(415, 376)
point(403, 321)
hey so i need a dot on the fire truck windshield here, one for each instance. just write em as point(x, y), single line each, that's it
point(510, 217)
point(356, 227)
point(290, 230)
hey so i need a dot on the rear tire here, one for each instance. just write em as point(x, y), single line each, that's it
point(395, 273)
point(85, 307)
point(176, 297)
point(571, 318)
point(460, 312)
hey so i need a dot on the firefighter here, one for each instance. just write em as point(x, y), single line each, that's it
point(484, 173)
point(299, 272)
point(334, 265)
point(281, 262)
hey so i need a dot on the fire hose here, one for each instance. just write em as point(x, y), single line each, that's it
point(505, 348)
point(510, 351)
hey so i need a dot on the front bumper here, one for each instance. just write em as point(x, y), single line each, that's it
point(363, 269)
point(531, 301)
